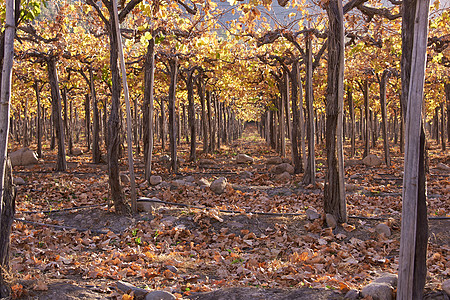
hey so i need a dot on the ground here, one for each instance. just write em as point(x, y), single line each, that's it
point(216, 246)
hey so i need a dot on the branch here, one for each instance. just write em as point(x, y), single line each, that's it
point(192, 11)
point(99, 12)
point(352, 4)
point(34, 37)
point(370, 12)
point(124, 12)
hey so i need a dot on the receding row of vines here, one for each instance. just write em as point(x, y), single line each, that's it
point(310, 72)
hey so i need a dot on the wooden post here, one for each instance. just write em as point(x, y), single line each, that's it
point(128, 108)
point(412, 260)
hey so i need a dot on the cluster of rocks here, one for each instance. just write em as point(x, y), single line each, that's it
point(217, 186)
point(140, 293)
point(281, 168)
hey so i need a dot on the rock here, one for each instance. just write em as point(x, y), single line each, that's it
point(244, 159)
point(164, 159)
point(387, 278)
point(383, 229)
point(206, 162)
point(159, 295)
point(276, 160)
point(178, 183)
point(124, 178)
point(351, 187)
point(355, 176)
point(150, 205)
point(443, 167)
point(172, 269)
point(127, 288)
point(218, 186)
point(23, 157)
point(19, 181)
point(281, 168)
point(189, 179)
point(446, 286)
point(381, 288)
point(352, 295)
point(283, 177)
point(155, 180)
point(331, 221)
point(77, 151)
point(203, 182)
point(312, 214)
point(286, 160)
point(245, 174)
point(378, 291)
point(143, 185)
point(351, 162)
point(372, 160)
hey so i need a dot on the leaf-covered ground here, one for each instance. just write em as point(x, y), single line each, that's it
point(199, 248)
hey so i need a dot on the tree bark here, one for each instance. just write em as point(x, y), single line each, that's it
point(7, 217)
point(334, 190)
point(87, 118)
point(172, 113)
point(201, 93)
point(414, 229)
point(39, 118)
point(191, 115)
point(351, 110)
point(212, 141)
point(310, 174)
point(96, 155)
point(387, 156)
point(6, 63)
point(114, 120)
point(367, 119)
point(148, 109)
point(61, 164)
point(447, 96)
point(296, 157)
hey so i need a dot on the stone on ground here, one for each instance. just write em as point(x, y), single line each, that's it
point(331, 221)
point(164, 159)
point(207, 162)
point(203, 182)
point(312, 214)
point(77, 151)
point(179, 182)
point(351, 187)
point(244, 159)
point(381, 288)
point(150, 205)
point(372, 160)
point(281, 168)
point(443, 167)
point(276, 160)
point(245, 174)
point(351, 162)
point(446, 287)
point(383, 229)
point(218, 186)
point(283, 177)
point(155, 180)
point(124, 178)
point(352, 295)
point(189, 179)
point(160, 295)
point(19, 181)
point(23, 157)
